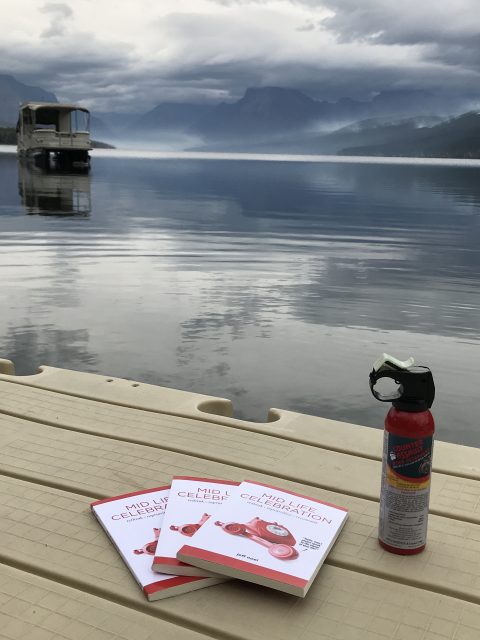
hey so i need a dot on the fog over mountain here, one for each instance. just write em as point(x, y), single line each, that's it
point(455, 138)
point(283, 120)
point(279, 119)
point(276, 111)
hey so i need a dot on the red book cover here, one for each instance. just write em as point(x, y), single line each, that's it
point(191, 503)
point(269, 536)
point(133, 522)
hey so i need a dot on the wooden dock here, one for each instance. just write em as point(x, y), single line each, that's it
point(68, 438)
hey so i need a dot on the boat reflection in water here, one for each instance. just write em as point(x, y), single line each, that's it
point(54, 192)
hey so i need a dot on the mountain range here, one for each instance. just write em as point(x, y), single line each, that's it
point(12, 93)
point(275, 112)
point(454, 138)
point(283, 120)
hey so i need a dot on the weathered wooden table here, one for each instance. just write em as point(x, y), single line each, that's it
point(68, 438)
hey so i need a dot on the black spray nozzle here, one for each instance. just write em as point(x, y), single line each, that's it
point(416, 389)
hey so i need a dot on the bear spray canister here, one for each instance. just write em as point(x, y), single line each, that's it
point(407, 454)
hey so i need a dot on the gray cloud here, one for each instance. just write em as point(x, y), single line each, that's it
point(329, 49)
point(449, 32)
point(403, 23)
point(77, 68)
point(308, 25)
point(361, 60)
point(60, 14)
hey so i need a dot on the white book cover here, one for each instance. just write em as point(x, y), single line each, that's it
point(269, 536)
point(191, 503)
point(133, 522)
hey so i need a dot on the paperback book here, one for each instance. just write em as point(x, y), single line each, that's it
point(192, 502)
point(133, 522)
point(269, 536)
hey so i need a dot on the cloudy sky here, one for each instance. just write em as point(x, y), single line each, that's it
point(126, 55)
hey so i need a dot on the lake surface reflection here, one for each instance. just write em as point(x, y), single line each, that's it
point(53, 192)
point(275, 284)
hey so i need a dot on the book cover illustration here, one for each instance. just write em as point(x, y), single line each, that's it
point(150, 547)
point(275, 537)
point(133, 522)
point(269, 536)
point(192, 502)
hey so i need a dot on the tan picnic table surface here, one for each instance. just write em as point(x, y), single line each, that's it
point(67, 438)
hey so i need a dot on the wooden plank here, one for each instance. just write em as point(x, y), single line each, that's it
point(35, 608)
point(330, 434)
point(52, 532)
point(451, 564)
point(458, 497)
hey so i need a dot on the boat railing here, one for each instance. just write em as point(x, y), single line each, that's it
point(50, 137)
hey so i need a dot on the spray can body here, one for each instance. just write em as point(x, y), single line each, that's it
point(405, 484)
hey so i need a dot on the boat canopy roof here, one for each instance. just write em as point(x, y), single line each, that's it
point(54, 106)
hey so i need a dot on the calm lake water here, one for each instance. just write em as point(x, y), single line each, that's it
point(272, 283)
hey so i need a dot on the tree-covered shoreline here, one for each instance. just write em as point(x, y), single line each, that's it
point(7, 135)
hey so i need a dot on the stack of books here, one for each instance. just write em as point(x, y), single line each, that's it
point(198, 532)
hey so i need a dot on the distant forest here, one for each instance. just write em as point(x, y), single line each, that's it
point(7, 135)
